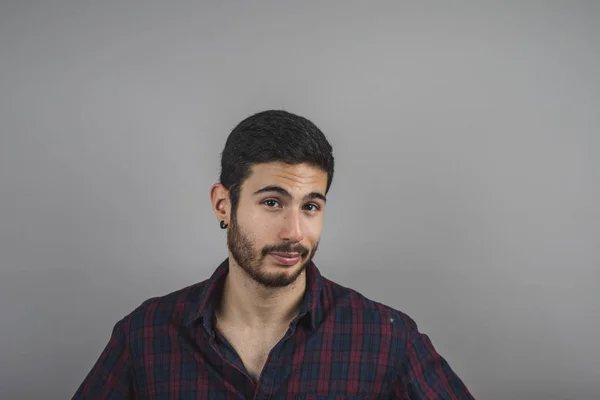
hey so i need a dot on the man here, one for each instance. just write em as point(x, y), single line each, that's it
point(267, 325)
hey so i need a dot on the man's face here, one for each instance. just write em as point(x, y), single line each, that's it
point(275, 231)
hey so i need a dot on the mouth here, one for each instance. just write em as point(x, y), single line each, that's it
point(286, 259)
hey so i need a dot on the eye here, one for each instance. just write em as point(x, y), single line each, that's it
point(312, 207)
point(271, 203)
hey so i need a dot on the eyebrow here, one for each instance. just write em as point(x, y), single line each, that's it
point(285, 193)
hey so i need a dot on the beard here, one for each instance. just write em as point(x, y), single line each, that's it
point(251, 261)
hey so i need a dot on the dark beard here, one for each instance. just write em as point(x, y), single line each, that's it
point(243, 253)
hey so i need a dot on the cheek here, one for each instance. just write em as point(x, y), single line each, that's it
point(312, 230)
point(259, 229)
point(249, 219)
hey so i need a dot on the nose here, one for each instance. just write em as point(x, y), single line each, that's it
point(292, 227)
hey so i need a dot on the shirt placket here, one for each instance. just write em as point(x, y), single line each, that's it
point(234, 373)
point(271, 377)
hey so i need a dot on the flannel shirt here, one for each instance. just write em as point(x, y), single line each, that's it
point(340, 346)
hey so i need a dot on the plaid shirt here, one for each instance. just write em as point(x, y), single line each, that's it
point(341, 346)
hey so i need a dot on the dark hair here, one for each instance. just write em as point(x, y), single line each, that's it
point(271, 136)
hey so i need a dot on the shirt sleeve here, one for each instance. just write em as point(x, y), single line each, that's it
point(425, 374)
point(110, 377)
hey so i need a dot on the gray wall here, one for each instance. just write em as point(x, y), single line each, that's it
point(466, 194)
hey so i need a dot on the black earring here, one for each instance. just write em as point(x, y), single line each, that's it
point(223, 225)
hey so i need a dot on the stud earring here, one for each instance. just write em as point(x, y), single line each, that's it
point(223, 225)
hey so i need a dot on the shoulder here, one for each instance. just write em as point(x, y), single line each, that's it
point(160, 312)
point(392, 338)
point(379, 328)
point(380, 316)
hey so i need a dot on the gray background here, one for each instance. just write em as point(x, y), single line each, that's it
point(466, 193)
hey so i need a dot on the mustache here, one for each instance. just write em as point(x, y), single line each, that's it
point(285, 248)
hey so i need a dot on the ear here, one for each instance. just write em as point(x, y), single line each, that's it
point(219, 197)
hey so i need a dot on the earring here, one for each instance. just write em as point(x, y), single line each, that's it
point(223, 225)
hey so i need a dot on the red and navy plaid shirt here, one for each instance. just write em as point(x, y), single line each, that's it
point(341, 346)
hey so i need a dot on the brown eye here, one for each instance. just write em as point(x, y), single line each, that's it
point(271, 203)
point(311, 207)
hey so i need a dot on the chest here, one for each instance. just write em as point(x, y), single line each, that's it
point(326, 361)
point(252, 346)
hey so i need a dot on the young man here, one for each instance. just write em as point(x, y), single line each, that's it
point(267, 325)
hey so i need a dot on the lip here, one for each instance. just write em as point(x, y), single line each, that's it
point(286, 259)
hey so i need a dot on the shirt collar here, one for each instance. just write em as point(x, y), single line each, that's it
point(203, 305)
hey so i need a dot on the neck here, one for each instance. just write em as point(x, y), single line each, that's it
point(252, 305)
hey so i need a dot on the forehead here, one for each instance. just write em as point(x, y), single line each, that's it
point(292, 177)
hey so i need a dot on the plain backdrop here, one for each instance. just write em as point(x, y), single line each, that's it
point(467, 189)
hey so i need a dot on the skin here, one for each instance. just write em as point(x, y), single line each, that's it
point(259, 293)
point(280, 209)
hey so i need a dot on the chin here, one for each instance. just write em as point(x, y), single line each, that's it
point(289, 275)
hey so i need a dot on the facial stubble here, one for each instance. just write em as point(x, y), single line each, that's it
point(252, 262)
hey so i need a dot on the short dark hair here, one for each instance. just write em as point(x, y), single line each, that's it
point(272, 136)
